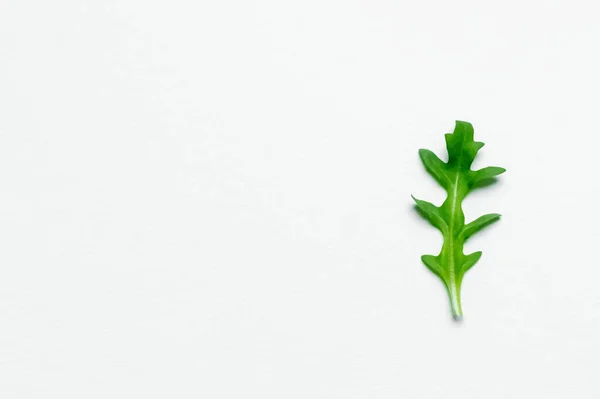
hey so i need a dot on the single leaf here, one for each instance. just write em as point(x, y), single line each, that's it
point(432, 213)
point(479, 223)
point(458, 179)
point(470, 261)
point(435, 166)
point(433, 264)
point(481, 176)
point(461, 147)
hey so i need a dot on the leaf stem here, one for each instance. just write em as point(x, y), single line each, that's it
point(455, 305)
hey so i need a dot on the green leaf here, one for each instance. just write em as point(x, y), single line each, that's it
point(479, 223)
point(461, 147)
point(432, 213)
point(433, 264)
point(435, 166)
point(482, 176)
point(458, 179)
point(470, 261)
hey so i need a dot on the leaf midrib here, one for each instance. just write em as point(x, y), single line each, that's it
point(452, 263)
point(452, 274)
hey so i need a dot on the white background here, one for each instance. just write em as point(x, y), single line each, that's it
point(211, 199)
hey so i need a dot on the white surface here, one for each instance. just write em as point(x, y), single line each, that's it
point(211, 199)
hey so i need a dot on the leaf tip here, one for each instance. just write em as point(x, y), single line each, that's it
point(423, 152)
point(463, 125)
point(459, 122)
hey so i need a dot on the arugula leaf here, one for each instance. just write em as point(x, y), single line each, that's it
point(458, 179)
